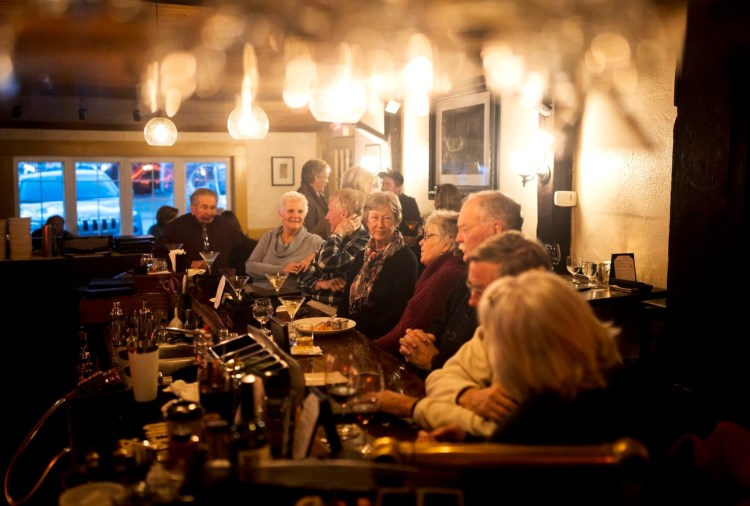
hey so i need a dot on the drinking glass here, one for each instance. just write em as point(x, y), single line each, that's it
point(209, 257)
point(262, 311)
point(588, 268)
point(238, 284)
point(341, 381)
point(553, 250)
point(292, 303)
point(573, 265)
point(367, 401)
point(277, 280)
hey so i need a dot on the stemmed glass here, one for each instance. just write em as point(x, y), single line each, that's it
point(367, 401)
point(588, 268)
point(209, 257)
point(553, 250)
point(342, 384)
point(238, 284)
point(262, 311)
point(277, 280)
point(292, 303)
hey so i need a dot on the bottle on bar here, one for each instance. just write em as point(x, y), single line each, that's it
point(117, 324)
point(250, 444)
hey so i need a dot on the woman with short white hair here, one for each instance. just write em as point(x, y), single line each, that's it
point(288, 247)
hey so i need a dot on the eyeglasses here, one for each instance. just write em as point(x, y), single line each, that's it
point(427, 236)
point(474, 290)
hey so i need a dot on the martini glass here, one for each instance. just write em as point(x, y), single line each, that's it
point(277, 280)
point(209, 257)
point(292, 303)
point(238, 284)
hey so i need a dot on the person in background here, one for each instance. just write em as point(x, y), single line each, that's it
point(326, 276)
point(444, 269)
point(289, 247)
point(315, 174)
point(448, 196)
point(164, 215)
point(200, 226)
point(558, 363)
point(484, 214)
point(358, 178)
point(58, 223)
point(383, 275)
point(393, 181)
point(238, 258)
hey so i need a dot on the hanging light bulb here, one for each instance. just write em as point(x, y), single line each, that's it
point(160, 131)
point(247, 122)
point(337, 97)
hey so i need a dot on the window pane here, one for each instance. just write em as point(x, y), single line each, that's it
point(211, 175)
point(153, 187)
point(40, 191)
point(98, 199)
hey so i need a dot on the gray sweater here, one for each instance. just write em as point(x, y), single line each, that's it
point(270, 255)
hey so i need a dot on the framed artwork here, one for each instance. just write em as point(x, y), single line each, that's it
point(282, 171)
point(465, 138)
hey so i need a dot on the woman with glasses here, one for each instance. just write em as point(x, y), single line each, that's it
point(444, 269)
point(383, 275)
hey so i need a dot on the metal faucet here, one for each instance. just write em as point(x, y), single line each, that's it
point(159, 334)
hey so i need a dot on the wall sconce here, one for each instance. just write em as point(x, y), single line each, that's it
point(543, 173)
point(17, 110)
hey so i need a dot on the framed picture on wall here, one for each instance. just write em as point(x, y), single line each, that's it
point(465, 139)
point(282, 171)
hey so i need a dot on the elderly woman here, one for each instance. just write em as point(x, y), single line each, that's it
point(444, 269)
point(386, 270)
point(358, 178)
point(288, 248)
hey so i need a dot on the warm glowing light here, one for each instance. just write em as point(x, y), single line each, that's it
point(247, 122)
point(160, 132)
point(340, 101)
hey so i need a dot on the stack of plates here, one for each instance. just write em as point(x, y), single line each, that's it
point(3, 238)
point(19, 232)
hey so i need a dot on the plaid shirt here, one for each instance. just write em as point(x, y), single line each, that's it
point(332, 260)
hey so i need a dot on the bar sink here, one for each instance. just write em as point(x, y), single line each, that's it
point(172, 357)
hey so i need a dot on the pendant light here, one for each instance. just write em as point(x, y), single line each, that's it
point(247, 120)
point(160, 131)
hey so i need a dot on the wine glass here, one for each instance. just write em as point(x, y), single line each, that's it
point(277, 280)
point(292, 303)
point(263, 311)
point(573, 265)
point(588, 268)
point(238, 284)
point(367, 401)
point(341, 381)
point(209, 257)
point(553, 250)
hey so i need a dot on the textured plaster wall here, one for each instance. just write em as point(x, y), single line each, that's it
point(624, 191)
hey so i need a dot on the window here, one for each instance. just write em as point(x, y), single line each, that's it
point(92, 200)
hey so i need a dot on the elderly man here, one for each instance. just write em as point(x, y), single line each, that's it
point(461, 392)
point(202, 228)
point(326, 276)
point(314, 178)
point(483, 214)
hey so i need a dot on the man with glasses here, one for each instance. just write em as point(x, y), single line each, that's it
point(483, 215)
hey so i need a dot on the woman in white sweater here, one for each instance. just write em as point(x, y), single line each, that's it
point(288, 247)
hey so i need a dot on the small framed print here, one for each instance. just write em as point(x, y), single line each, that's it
point(282, 171)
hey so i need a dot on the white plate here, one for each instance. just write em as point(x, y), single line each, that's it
point(350, 324)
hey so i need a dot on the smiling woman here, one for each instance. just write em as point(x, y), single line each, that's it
point(288, 248)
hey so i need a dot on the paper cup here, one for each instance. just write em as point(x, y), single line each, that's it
point(144, 371)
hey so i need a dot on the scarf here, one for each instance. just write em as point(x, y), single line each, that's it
point(359, 294)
